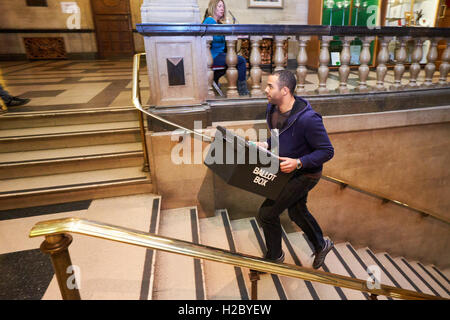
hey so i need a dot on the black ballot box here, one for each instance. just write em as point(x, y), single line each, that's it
point(242, 164)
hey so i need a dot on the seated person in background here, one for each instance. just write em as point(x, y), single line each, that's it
point(214, 14)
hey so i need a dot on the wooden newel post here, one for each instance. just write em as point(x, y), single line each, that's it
point(254, 277)
point(57, 246)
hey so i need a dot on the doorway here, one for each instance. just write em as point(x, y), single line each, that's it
point(113, 28)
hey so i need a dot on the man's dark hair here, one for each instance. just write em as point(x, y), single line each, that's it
point(286, 79)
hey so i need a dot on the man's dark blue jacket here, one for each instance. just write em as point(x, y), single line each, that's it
point(303, 136)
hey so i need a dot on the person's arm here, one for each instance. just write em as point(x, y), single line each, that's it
point(318, 139)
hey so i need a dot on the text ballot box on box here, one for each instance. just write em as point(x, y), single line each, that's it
point(244, 165)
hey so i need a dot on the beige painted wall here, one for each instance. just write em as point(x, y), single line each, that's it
point(403, 154)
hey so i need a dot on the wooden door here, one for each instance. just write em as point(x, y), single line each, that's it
point(113, 28)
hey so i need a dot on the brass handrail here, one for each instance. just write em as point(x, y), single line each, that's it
point(51, 228)
point(345, 184)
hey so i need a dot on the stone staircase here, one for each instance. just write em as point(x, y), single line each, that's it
point(49, 157)
point(119, 271)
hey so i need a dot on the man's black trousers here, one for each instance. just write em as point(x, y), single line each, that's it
point(293, 197)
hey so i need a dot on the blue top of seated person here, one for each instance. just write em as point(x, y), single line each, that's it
point(218, 43)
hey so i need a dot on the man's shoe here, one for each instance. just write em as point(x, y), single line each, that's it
point(278, 260)
point(15, 102)
point(320, 256)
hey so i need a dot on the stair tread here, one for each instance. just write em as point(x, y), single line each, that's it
point(399, 277)
point(109, 270)
point(68, 129)
point(221, 278)
point(304, 252)
point(441, 291)
point(247, 243)
point(74, 152)
point(174, 273)
point(353, 263)
point(31, 184)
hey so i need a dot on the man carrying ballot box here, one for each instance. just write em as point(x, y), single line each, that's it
point(303, 147)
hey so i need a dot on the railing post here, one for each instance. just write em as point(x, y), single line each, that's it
point(255, 72)
point(416, 57)
point(57, 246)
point(364, 58)
point(399, 69)
point(430, 68)
point(445, 65)
point(344, 69)
point(279, 57)
point(324, 59)
point(382, 59)
point(209, 61)
point(231, 60)
point(302, 60)
point(254, 277)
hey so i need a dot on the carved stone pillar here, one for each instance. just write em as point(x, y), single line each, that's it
point(279, 57)
point(324, 59)
point(209, 62)
point(445, 65)
point(302, 60)
point(364, 58)
point(430, 68)
point(414, 69)
point(176, 64)
point(382, 58)
point(344, 69)
point(231, 60)
point(399, 69)
point(256, 72)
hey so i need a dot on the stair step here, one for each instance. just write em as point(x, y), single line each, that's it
point(21, 192)
point(296, 289)
point(430, 279)
point(109, 270)
point(248, 241)
point(69, 139)
point(179, 277)
point(304, 252)
point(397, 272)
point(355, 263)
point(13, 120)
point(65, 160)
point(412, 273)
point(223, 281)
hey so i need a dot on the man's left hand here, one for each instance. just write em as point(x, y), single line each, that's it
point(288, 165)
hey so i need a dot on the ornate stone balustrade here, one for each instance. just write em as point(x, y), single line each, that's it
point(302, 35)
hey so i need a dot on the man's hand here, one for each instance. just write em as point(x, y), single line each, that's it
point(288, 165)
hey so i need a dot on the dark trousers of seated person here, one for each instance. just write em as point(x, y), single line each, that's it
point(241, 66)
point(293, 197)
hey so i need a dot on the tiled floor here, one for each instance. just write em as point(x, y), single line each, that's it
point(63, 85)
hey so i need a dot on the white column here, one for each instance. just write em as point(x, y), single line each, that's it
point(344, 69)
point(382, 59)
point(184, 55)
point(445, 65)
point(302, 60)
point(324, 59)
